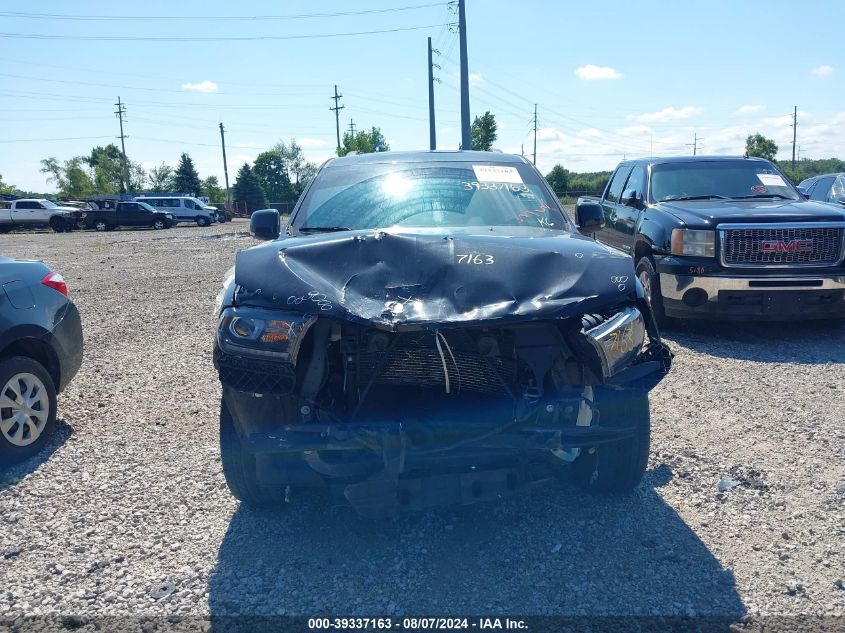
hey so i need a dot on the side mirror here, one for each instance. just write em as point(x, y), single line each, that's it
point(589, 216)
point(803, 192)
point(630, 198)
point(265, 224)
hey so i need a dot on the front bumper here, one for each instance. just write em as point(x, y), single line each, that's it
point(768, 297)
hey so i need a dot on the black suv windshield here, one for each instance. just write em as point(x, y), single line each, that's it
point(736, 179)
point(428, 194)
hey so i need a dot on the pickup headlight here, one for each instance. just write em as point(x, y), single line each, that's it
point(699, 243)
point(263, 333)
point(618, 341)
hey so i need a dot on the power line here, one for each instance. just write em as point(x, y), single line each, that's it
point(694, 144)
point(65, 138)
point(222, 38)
point(206, 18)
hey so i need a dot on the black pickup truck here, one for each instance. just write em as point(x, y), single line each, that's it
point(722, 237)
point(104, 215)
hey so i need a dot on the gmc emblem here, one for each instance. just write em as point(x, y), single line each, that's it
point(786, 246)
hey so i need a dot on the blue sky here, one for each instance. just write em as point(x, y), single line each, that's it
point(611, 79)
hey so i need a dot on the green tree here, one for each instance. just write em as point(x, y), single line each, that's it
point(484, 132)
point(271, 171)
point(759, 145)
point(299, 170)
point(71, 178)
point(558, 179)
point(364, 142)
point(137, 176)
point(4, 188)
point(161, 178)
point(248, 190)
point(186, 179)
point(213, 190)
point(106, 165)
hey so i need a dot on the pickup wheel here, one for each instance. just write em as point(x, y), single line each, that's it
point(101, 225)
point(651, 285)
point(239, 466)
point(58, 224)
point(617, 467)
point(27, 408)
point(202, 221)
point(159, 224)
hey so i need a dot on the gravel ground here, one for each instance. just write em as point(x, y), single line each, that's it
point(127, 512)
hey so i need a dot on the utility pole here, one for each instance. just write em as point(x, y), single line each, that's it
point(694, 144)
point(535, 134)
point(352, 128)
point(466, 131)
point(432, 134)
point(794, 134)
point(225, 169)
point(121, 110)
point(336, 109)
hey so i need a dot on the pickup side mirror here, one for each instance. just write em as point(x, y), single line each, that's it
point(265, 224)
point(589, 216)
point(630, 198)
point(803, 192)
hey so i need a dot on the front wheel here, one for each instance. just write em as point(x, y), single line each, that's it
point(27, 408)
point(202, 221)
point(101, 225)
point(617, 467)
point(58, 224)
point(651, 285)
point(159, 224)
point(239, 466)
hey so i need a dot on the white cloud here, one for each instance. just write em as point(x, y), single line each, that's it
point(749, 109)
point(822, 71)
point(475, 78)
point(589, 133)
point(636, 130)
point(549, 134)
point(202, 86)
point(591, 72)
point(666, 114)
point(311, 142)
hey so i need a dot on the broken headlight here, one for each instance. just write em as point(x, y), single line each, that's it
point(265, 333)
point(618, 341)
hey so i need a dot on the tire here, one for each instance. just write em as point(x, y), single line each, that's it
point(617, 467)
point(651, 284)
point(23, 432)
point(101, 225)
point(239, 467)
point(58, 224)
point(202, 221)
point(159, 224)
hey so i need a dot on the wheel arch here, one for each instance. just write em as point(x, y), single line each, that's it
point(37, 350)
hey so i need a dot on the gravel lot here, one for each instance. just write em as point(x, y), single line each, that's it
point(127, 511)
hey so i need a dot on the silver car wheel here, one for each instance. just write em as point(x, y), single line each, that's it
point(645, 280)
point(24, 409)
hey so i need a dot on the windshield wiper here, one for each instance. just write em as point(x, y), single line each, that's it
point(707, 197)
point(764, 195)
point(322, 229)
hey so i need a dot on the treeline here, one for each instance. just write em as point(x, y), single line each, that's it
point(564, 181)
point(807, 167)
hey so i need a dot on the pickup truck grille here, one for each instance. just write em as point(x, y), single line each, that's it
point(788, 245)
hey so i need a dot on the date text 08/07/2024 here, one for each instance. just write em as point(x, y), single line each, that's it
point(415, 623)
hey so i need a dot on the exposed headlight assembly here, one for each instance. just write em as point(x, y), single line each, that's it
point(698, 243)
point(262, 333)
point(618, 340)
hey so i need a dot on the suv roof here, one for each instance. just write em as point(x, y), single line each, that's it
point(426, 157)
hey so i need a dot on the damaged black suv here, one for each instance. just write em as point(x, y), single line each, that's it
point(431, 328)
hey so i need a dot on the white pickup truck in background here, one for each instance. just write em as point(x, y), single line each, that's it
point(31, 212)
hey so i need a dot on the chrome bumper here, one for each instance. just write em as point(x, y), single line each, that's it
point(676, 286)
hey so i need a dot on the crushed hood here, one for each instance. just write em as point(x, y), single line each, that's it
point(432, 278)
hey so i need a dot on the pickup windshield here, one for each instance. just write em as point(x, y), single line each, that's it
point(428, 194)
point(735, 179)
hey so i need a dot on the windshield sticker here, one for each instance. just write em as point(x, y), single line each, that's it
point(758, 188)
point(771, 180)
point(497, 173)
point(495, 186)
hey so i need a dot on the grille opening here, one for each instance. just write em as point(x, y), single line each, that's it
point(772, 245)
